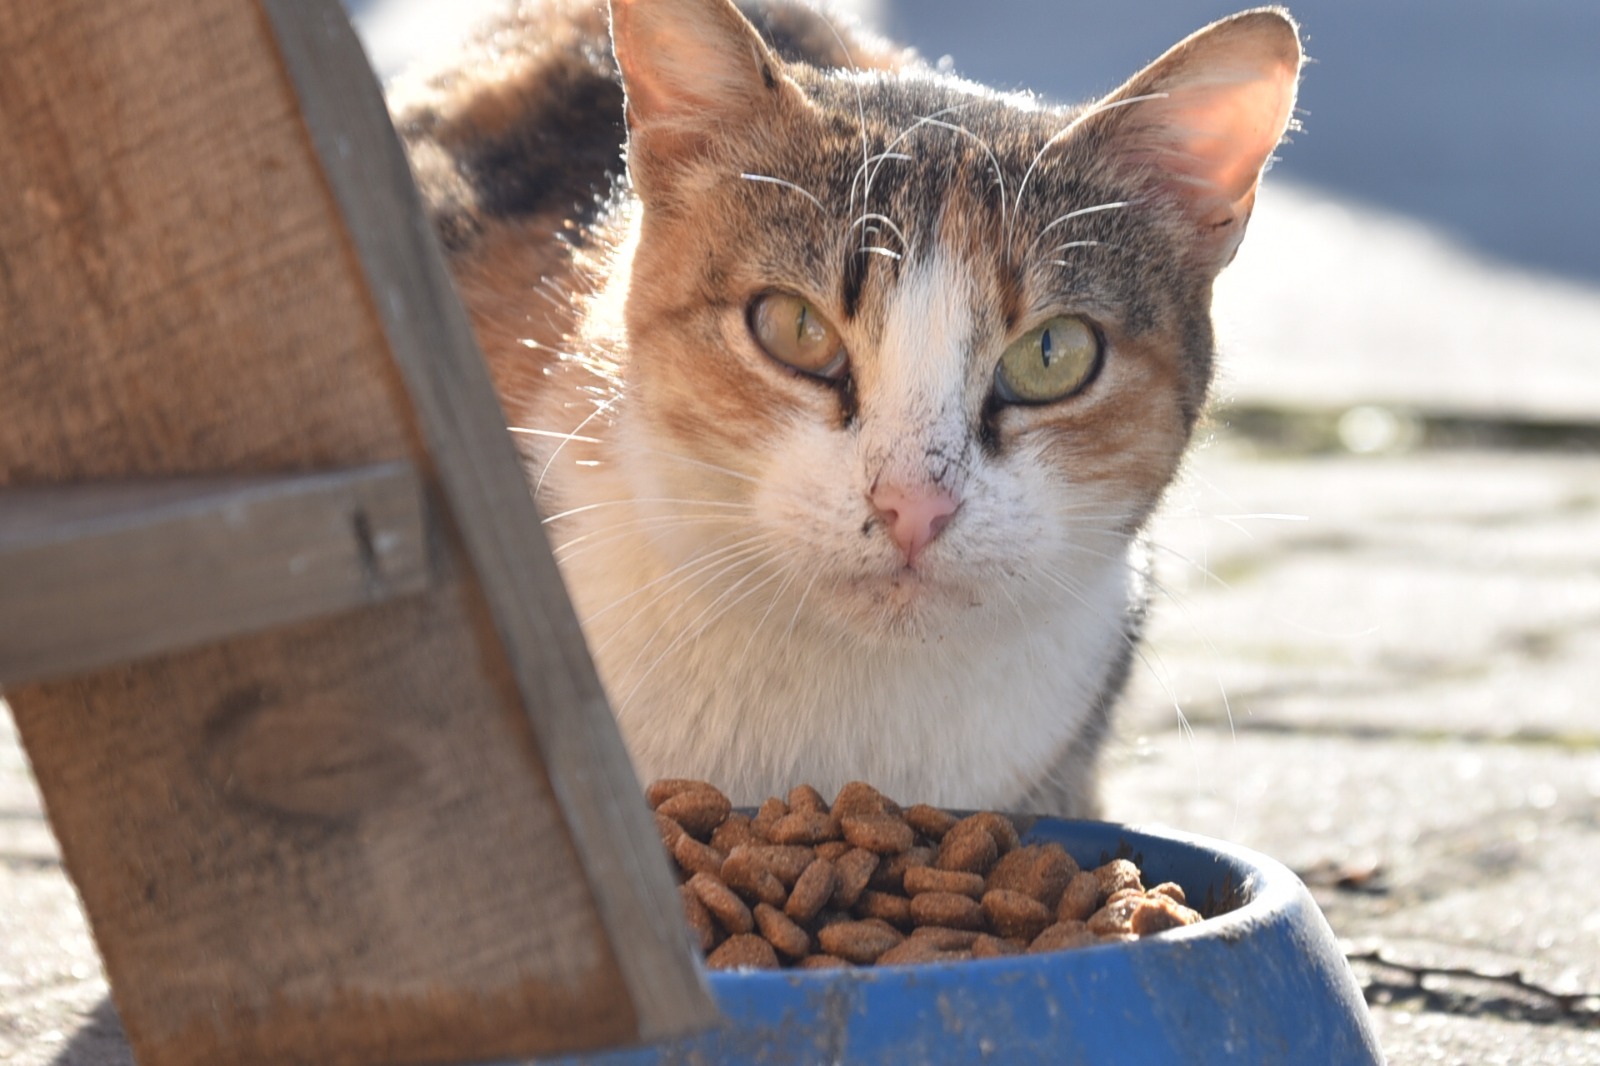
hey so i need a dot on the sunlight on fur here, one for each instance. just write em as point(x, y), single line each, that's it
point(862, 551)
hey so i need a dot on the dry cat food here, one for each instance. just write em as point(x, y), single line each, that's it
point(806, 884)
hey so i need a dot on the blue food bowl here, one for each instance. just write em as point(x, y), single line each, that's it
point(1264, 982)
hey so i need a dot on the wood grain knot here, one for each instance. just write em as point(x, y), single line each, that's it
point(316, 759)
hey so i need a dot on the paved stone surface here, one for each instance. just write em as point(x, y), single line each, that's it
point(1395, 696)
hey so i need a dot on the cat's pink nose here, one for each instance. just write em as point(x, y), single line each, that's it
point(914, 516)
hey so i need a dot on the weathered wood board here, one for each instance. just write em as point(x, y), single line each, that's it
point(99, 574)
point(404, 833)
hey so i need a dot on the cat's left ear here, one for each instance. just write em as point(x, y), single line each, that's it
point(1204, 119)
point(695, 73)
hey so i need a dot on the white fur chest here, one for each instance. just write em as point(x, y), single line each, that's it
point(757, 696)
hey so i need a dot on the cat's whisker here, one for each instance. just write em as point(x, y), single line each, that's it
point(553, 434)
point(1135, 647)
point(861, 107)
point(719, 562)
point(866, 219)
point(715, 468)
point(570, 549)
point(696, 626)
point(999, 175)
point(1078, 244)
point(792, 572)
point(889, 153)
point(788, 634)
point(780, 182)
point(711, 614)
point(874, 249)
point(1114, 205)
point(600, 409)
point(626, 500)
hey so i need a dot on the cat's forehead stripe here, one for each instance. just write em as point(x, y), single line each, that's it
point(927, 336)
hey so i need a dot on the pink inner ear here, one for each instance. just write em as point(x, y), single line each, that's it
point(1220, 133)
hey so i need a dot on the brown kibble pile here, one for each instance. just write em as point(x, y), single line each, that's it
point(811, 885)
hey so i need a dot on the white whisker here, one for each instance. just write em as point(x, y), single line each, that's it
point(645, 499)
point(1069, 216)
point(553, 434)
point(787, 185)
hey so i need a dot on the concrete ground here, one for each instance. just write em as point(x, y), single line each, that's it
point(1375, 650)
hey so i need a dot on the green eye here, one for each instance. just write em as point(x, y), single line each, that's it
point(791, 331)
point(1048, 363)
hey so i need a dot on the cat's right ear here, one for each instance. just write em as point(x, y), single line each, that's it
point(694, 73)
point(1201, 122)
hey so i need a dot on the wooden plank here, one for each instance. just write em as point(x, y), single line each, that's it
point(432, 341)
point(337, 842)
point(93, 575)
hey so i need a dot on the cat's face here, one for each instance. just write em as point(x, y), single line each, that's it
point(934, 353)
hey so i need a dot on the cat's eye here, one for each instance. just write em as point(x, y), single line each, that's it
point(1049, 363)
point(790, 330)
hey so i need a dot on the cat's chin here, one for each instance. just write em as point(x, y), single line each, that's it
point(906, 606)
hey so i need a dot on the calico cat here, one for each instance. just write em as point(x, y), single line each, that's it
point(849, 398)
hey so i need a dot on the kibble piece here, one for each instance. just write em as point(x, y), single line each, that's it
point(859, 942)
point(1114, 917)
point(806, 798)
point(920, 879)
point(698, 810)
point(891, 873)
point(660, 791)
point(967, 846)
point(1079, 899)
point(1124, 893)
point(786, 861)
point(882, 833)
point(813, 889)
point(1000, 827)
point(1170, 889)
point(832, 850)
point(1159, 912)
point(858, 797)
point(822, 961)
point(696, 857)
point(889, 906)
point(723, 903)
point(699, 919)
point(1062, 935)
point(945, 938)
point(931, 822)
point(1039, 870)
point(854, 869)
point(947, 909)
point(743, 952)
point(1115, 875)
point(985, 946)
point(803, 827)
point(767, 816)
point(743, 870)
point(670, 831)
point(1014, 914)
point(909, 952)
point(781, 932)
point(734, 830)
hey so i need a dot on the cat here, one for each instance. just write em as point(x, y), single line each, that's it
point(848, 398)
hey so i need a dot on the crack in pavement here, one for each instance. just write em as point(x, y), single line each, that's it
point(1467, 990)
